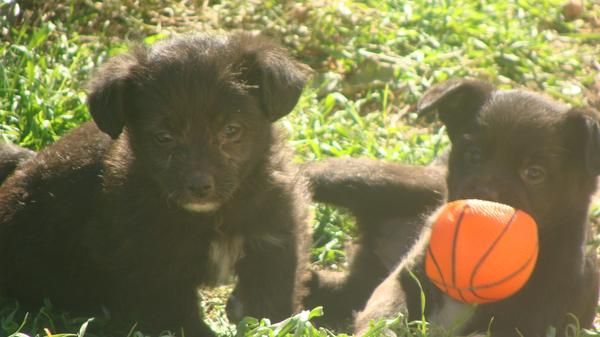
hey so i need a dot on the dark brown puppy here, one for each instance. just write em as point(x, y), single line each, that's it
point(532, 153)
point(12, 156)
point(182, 180)
point(389, 201)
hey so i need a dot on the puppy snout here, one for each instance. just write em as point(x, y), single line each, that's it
point(201, 184)
point(484, 192)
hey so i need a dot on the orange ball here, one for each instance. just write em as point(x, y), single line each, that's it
point(481, 251)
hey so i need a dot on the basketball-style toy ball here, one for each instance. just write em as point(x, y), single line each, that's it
point(481, 251)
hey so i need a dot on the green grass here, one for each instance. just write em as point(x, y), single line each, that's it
point(372, 60)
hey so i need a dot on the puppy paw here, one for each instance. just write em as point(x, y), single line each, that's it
point(234, 309)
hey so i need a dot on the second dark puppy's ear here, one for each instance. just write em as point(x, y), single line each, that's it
point(583, 137)
point(456, 101)
point(107, 92)
point(278, 79)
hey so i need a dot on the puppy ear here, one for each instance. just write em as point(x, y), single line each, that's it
point(277, 79)
point(456, 101)
point(107, 91)
point(583, 137)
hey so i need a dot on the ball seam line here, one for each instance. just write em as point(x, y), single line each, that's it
point(437, 267)
point(474, 290)
point(454, 243)
point(507, 277)
point(491, 248)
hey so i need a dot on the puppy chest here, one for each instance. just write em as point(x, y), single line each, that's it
point(223, 254)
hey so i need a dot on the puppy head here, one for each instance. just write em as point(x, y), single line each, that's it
point(518, 148)
point(198, 110)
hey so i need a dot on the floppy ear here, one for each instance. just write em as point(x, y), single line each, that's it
point(107, 91)
point(456, 101)
point(277, 79)
point(583, 137)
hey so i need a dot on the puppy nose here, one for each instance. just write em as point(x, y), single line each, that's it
point(486, 193)
point(200, 184)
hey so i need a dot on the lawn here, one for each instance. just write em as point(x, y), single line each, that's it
point(372, 60)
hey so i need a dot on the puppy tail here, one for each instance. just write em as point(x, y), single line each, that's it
point(375, 189)
point(12, 156)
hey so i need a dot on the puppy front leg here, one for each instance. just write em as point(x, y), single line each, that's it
point(158, 305)
point(266, 281)
point(341, 293)
point(584, 302)
point(387, 301)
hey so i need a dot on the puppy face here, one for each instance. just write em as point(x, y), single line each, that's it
point(198, 111)
point(197, 145)
point(198, 158)
point(517, 148)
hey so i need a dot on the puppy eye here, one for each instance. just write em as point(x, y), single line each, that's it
point(232, 131)
point(473, 156)
point(534, 174)
point(163, 138)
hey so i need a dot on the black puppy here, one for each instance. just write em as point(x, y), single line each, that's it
point(530, 152)
point(182, 180)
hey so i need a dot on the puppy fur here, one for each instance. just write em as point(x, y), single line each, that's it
point(535, 154)
point(182, 179)
point(388, 201)
point(12, 156)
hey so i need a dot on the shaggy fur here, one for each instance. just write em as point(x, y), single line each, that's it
point(12, 156)
point(528, 151)
point(181, 180)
